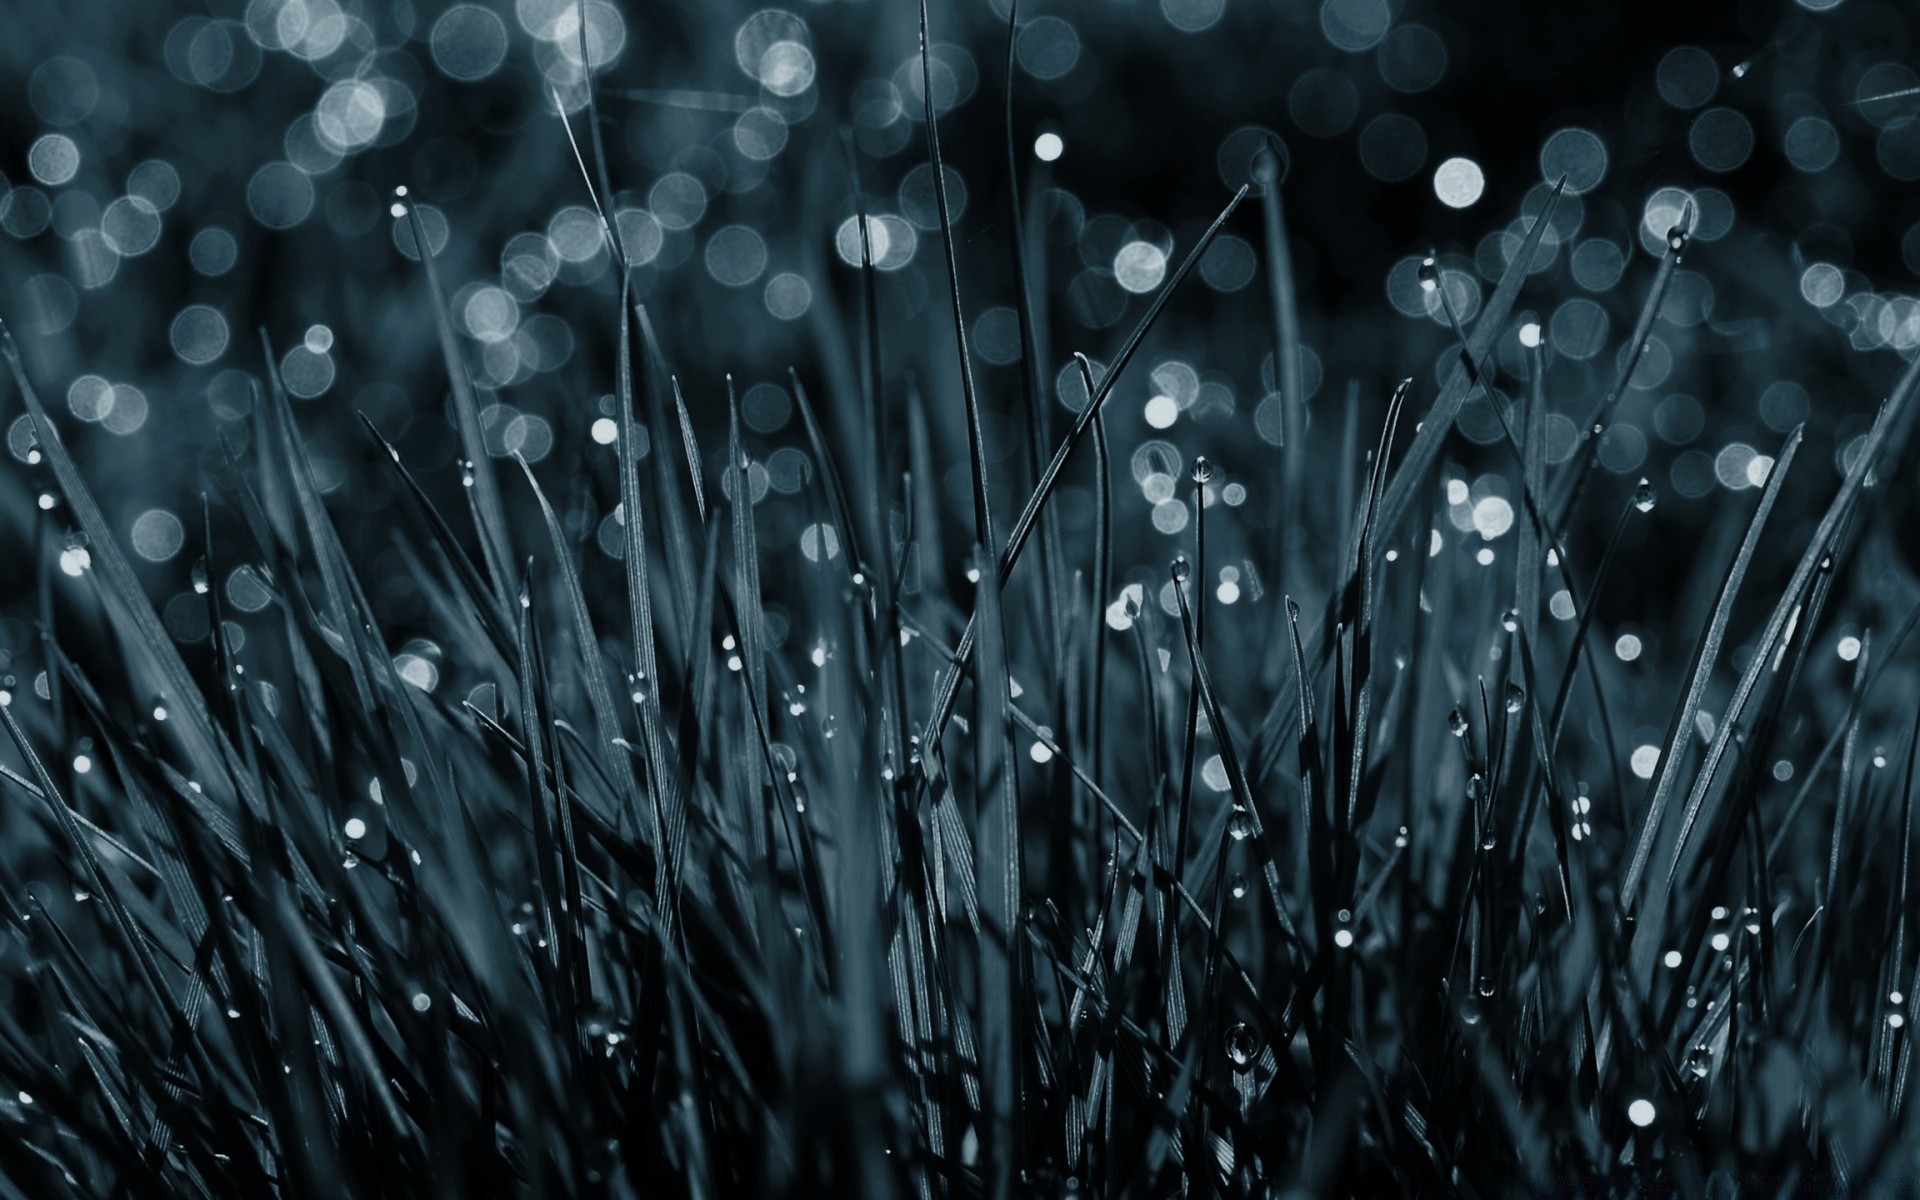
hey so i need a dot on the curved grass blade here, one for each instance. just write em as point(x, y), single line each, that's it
point(1705, 656)
point(1286, 350)
point(1023, 525)
point(976, 438)
point(1438, 420)
point(1230, 759)
point(490, 518)
point(1590, 429)
point(593, 668)
point(119, 584)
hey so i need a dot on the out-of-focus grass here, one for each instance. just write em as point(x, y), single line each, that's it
point(819, 711)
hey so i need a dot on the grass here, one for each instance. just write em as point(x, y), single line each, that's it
point(919, 865)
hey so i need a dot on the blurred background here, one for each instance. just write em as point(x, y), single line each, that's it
point(181, 182)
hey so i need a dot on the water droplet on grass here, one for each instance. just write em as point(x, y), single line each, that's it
point(1241, 1045)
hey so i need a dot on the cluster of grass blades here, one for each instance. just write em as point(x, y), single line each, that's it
point(990, 879)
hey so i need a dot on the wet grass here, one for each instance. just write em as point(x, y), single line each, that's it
point(989, 873)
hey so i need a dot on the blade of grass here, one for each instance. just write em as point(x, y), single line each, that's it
point(976, 438)
point(1023, 525)
point(1286, 368)
point(1706, 656)
point(999, 870)
point(490, 518)
point(130, 605)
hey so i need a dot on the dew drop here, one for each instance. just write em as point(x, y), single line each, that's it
point(1240, 824)
point(1241, 1044)
point(1202, 471)
point(1644, 497)
point(1429, 273)
point(1677, 239)
point(1516, 697)
point(1457, 722)
point(1181, 569)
